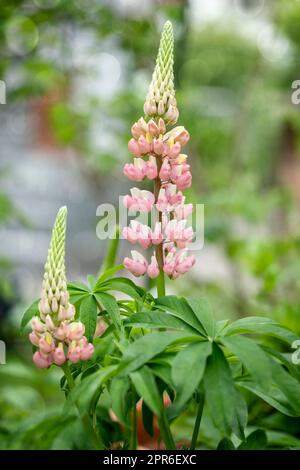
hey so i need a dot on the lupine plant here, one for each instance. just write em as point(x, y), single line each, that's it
point(154, 361)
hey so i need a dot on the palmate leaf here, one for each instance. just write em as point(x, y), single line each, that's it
point(121, 284)
point(274, 396)
point(111, 306)
point(260, 326)
point(204, 314)
point(252, 356)
point(156, 320)
point(146, 347)
point(88, 316)
point(119, 392)
point(220, 392)
point(179, 308)
point(145, 385)
point(83, 393)
point(188, 369)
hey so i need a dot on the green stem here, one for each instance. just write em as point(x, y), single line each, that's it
point(98, 444)
point(160, 284)
point(70, 381)
point(165, 431)
point(133, 437)
point(197, 422)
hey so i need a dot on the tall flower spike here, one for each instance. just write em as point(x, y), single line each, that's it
point(160, 100)
point(167, 167)
point(54, 332)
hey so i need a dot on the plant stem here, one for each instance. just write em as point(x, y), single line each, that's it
point(197, 422)
point(133, 437)
point(165, 431)
point(70, 381)
point(160, 280)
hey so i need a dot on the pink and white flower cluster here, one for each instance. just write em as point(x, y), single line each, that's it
point(55, 333)
point(157, 156)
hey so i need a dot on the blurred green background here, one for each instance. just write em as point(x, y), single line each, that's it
point(76, 73)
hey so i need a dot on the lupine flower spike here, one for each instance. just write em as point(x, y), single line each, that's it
point(55, 333)
point(157, 156)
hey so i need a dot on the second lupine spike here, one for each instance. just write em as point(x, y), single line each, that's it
point(168, 168)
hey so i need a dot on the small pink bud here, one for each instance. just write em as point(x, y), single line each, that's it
point(151, 168)
point(59, 357)
point(165, 170)
point(134, 148)
point(42, 361)
point(87, 351)
point(153, 128)
point(34, 338)
point(158, 146)
point(76, 331)
point(153, 269)
point(37, 325)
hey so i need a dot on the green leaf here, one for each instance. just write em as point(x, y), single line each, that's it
point(274, 397)
point(262, 326)
point(257, 440)
point(241, 415)
point(158, 320)
point(119, 391)
point(122, 284)
point(108, 273)
point(188, 369)
point(225, 444)
point(288, 385)
point(91, 280)
point(203, 312)
point(163, 371)
point(146, 388)
point(180, 308)
point(83, 393)
point(111, 306)
point(78, 286)
point(146, 347)
point(30, 312)
point(88, 316)
point(147, 416)
point(252, 356)
point(219, 391)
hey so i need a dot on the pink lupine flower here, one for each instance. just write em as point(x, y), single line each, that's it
point(158, 148)
point(59, 356)
point(74, 352)
point(87, 350)
point(42, 361)
point(134, 148)
point(137, 265)
point(165, 171)
point(138, 233)
point(139, 201)
point(157, 235)
point(135, 171)
point(153, 269)
point(151, 168)
point(76, 330)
